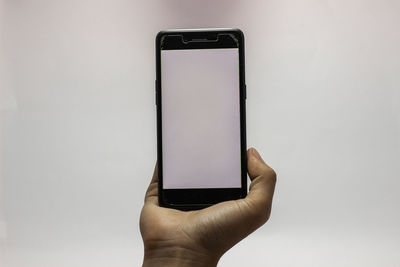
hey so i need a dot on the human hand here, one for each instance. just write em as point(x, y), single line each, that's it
point(200, 237)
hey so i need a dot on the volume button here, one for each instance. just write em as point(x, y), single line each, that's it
point(245, 91)
point(155, 90)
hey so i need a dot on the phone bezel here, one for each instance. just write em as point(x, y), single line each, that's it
point(187, 199)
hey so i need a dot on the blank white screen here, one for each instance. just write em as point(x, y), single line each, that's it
point(200, 118)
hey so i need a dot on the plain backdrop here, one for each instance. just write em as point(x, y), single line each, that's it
point(78, 136)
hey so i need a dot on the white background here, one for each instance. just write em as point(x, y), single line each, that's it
point(78, 136)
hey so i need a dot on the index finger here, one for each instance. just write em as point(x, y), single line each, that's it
point(152, 191)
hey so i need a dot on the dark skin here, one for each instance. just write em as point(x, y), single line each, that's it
point(199, 238)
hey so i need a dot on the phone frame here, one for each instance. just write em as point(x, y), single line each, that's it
point(189, 199)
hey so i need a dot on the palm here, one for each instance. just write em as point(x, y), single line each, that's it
point(214, 229)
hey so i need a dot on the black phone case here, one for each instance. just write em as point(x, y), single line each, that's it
point(200, 39)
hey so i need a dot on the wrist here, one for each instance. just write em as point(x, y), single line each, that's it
point(178, 256)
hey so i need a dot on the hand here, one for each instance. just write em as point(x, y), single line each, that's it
point(199, 238)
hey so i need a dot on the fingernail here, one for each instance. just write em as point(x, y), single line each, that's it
point(256, 154)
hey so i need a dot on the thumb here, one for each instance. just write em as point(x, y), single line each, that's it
point(256, 166)
point(263, 179)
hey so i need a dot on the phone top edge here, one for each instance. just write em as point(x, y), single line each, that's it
point(162, 33)
point(200, 29)
point(235, 33)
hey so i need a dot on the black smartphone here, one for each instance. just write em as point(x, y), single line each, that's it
point(201, 118)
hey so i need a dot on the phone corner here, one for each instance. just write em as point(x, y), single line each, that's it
point(244, 193)
point(159, 36)
point(239, 33)
point(161, 202)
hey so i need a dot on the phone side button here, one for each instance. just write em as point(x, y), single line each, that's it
point(155, 91)
point(245, 91)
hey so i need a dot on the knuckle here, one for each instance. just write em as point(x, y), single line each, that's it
point(261, 210)
point(271, 175)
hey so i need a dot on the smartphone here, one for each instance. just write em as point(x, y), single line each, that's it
point(201, 120)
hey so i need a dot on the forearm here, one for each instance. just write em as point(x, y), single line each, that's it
point(173, 256)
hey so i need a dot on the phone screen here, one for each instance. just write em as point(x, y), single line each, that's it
point(200, 92)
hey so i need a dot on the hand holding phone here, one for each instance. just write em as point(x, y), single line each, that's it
point(199, 238)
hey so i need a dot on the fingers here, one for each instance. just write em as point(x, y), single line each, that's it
point(151, 196)
point(263, 179)
point(154, 179)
